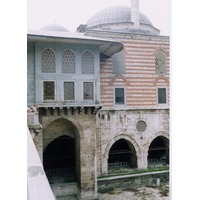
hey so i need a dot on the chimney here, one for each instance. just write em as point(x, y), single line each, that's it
point(135, 13)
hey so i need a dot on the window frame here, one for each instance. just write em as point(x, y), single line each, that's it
point(69, 81)
point(93, 99)
point(166, 97)
point(114, 96)
point(42, 61)
point(49, 100)
point(82, 69)
point(70, 50)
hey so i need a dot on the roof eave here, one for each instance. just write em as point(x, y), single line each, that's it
point(107, 47)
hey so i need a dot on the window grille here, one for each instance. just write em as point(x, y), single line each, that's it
point(68, 62)
point(69, 91)
point(48, 61)
point(119, 96)
point(162, 95)
point(87, 62)
point(88, 91)
point(161, 62)
point(49, 90)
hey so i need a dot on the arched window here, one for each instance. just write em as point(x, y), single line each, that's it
point(161, 62)
point(68, 62)
point(48, 61)
point(87, 62)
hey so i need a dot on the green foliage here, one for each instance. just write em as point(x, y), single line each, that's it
point(126, 171)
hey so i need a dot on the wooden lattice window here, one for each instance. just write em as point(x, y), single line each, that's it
point(69, 91)
point(87, 62)
point(68, 62)
point(48, 61)
point(88, 91)
point(49, 90)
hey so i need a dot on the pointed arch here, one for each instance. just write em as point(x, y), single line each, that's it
point(61, 150)
point(158, 150)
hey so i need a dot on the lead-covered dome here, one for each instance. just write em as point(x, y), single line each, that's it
point(118, 18)
point(54, 27)
point(117, 14)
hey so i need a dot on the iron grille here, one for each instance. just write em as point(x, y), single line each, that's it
point(69, 91)
point(49, 90)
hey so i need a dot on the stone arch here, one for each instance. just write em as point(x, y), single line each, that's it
point(124, 79)
point(132, 144)
point(158, 149)
point(161, 78)
point(63, 128)
point(46, 122)
point(118, 137)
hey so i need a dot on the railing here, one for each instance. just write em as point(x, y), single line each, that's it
point(153, 160)
point(118, 164)
point(59, 171)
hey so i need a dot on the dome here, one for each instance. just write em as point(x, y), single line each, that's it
point(117, 14)
point(54, 27)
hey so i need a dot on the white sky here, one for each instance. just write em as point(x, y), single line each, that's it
point(72, 13)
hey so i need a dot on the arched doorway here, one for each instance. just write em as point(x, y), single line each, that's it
point(59, 159)
point(158, 153)
point(61, 155)
point(122, 155)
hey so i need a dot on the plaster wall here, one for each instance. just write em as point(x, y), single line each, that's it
point(59, 77)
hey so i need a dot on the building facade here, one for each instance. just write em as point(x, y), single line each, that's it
point(99, 99)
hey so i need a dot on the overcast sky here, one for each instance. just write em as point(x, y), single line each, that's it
point(72, 13)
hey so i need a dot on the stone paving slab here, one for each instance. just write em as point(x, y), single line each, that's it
point(144, 193)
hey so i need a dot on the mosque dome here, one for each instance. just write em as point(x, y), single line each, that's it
point(118, 18)
point(54, 27)
point(116, 14)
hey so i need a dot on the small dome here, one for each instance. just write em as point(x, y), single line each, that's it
point(116, 14)
point(54, 27)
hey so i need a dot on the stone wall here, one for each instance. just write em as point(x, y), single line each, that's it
point(153, 179)
point(82, 127)
point(125, 124)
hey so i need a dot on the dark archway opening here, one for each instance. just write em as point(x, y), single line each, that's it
point(122, 155)
point(59, 160)
point(158, 153)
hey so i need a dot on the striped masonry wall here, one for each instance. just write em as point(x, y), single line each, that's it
point(140, 80)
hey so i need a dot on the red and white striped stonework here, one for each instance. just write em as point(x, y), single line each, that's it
point(140, 80)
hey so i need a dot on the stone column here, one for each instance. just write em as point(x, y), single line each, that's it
point(88, 179)
point(142, 160)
